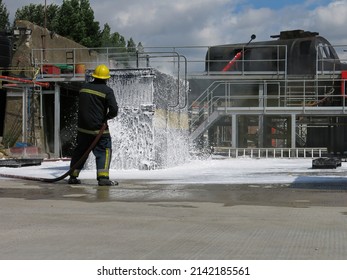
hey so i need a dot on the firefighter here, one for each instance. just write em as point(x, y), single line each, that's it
point(97, 104)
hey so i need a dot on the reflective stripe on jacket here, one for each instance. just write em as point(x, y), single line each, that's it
point(97, 104)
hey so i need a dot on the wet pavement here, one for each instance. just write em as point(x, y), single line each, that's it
point(280, 195)
point(148, 220)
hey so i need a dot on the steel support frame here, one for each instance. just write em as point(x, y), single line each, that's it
point(57, 144)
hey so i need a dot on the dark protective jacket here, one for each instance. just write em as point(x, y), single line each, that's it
point(97, 104)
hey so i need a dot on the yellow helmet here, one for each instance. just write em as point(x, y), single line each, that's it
point(101, 72)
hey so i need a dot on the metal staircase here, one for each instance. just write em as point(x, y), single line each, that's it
point(263, 96)
point(205, 125)
point(202, 110)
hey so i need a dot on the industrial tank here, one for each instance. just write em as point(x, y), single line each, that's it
point(294, 51)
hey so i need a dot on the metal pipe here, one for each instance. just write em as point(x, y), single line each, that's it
point(57, 120)
point(24, 115)
point(25, 81)
point(165, 54)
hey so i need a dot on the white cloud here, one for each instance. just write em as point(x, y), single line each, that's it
point(331, 21)
point(164, 22)
point(209, 22)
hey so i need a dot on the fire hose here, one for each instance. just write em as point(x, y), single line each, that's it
point(69, 172)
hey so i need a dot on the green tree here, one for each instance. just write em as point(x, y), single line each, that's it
point(131, 46)
point(36, 14)
point(76, 21)
point(106, 37)
point(124, 51)
point(4, 22)
point(114, 40)
point(140, 48)
point(118, 41)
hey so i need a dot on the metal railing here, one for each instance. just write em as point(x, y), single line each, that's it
point(281, 96)
point(199, 61)
point(270, 152)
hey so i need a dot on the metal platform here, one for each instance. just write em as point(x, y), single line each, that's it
point(20, 162)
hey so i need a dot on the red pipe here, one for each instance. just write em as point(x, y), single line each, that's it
point(238, 55)
point(26, 81)
point(343, 83)
point(232, 62)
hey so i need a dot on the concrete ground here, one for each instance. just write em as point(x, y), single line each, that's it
point(139, 221)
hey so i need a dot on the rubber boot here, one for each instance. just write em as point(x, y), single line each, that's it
point(107, 182)
point(74, 181)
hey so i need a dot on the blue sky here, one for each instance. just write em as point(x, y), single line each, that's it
point(279, 4)
point(210, 22)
